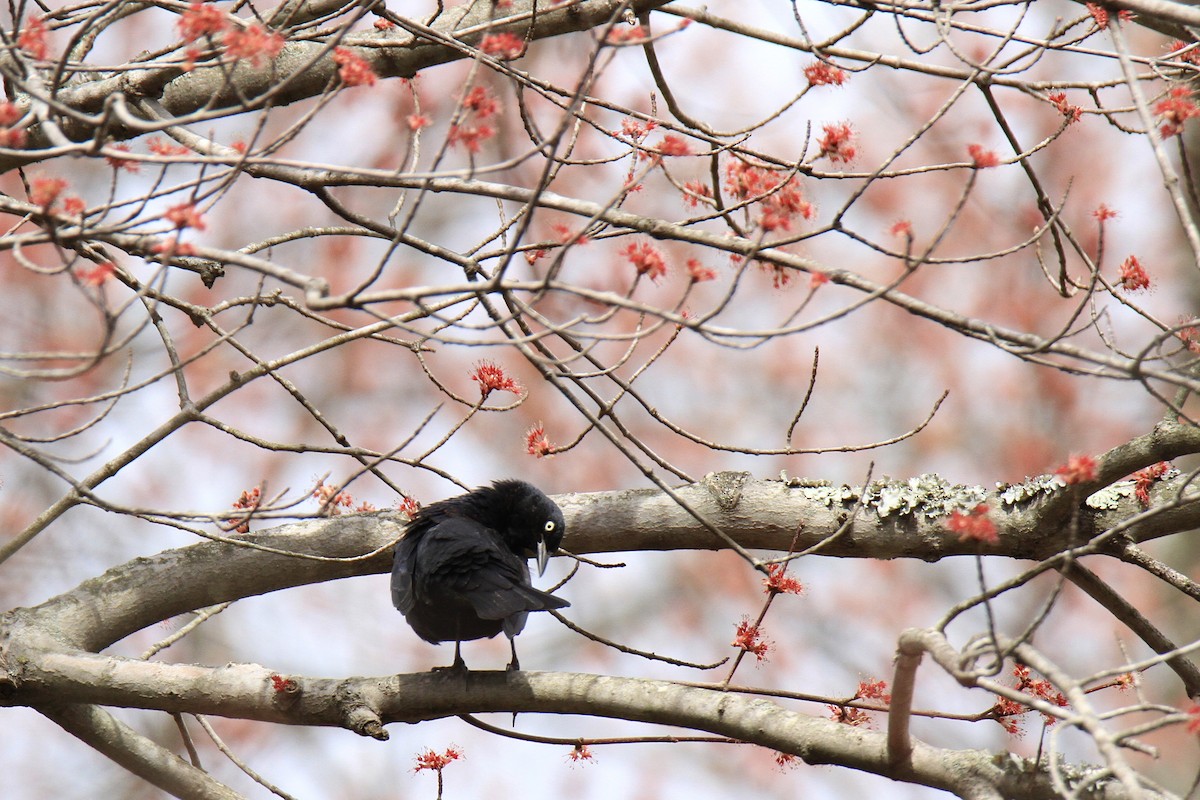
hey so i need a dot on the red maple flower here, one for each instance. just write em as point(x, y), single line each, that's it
point(1193, 724)
point(95, 275)
point(1176, 109)
point(817, 278)
point(1143, 479)
point(185, 215)
point(838, 142)
point(779, 582)
point(1039, 688)
point(982, 158)
point(331, 499)
point(471, 137)
point(1104, 213)
point(161, 147)
point(975, 525)
point(1133, 275)
point(848, 715)
point(353, 69)
point(785, 761)
point(536, 443)
point(249, 498)
point(437, 761)
point(282, 685)
point(504, 46)
point(171, 246)
point(1008, 714)
point(781, 276)
point(749, 637)
point(417, 121)
point(253, 43)
point(646, 259)
point(1072, 113)
point(33, 39)
point(408, 506)
point(10, 114)
point(1189, 334)
point(698, 272)
point(201, 19)
point(1078, 469)
point(13, 138)
point(1192, 56)
point(697, 193)
point(482, 102)
point(902, 228)
point(623, 35)
point(73, 205)
point(822, 74)
point(874, 690)
point(580, 752)
point(1100, 14)
point(491, 378)
point(45, 192)
point(565, 233)
point(116, 162)
point(782, 199)
point(672, 145)
point(637, 129)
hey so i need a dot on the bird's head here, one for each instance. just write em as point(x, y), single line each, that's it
point(535, 525)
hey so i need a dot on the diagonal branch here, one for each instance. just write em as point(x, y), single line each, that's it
point(136, 753)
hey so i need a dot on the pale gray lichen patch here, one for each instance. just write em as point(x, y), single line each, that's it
point(1111, 496)
point(1107, 499)
point(934, 497)
point(928, 495)
point(1012, 494)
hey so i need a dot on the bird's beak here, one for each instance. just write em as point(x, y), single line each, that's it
point(543, 555)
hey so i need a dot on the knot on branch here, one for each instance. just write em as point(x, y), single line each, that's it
point(726, 487)
point(286, 691)
point(365, 721)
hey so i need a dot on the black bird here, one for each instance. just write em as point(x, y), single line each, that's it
point(461, 571)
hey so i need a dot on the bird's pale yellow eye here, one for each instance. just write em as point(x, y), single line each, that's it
point(549, 526)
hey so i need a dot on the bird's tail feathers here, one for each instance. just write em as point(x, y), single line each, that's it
point(513, 600)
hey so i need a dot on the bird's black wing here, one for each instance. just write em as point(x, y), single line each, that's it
point(403, 561)
point(460, 557)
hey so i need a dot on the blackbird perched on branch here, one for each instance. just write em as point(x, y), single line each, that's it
point(461, 571)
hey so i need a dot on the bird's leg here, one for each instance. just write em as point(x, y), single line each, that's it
point(513, 666)
point(459, 665)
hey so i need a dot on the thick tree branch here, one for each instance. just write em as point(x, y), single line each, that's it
point(245, 691)
point(901, 519)
point(136, 753)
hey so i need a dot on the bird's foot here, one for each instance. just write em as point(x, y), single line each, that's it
point(459, 666)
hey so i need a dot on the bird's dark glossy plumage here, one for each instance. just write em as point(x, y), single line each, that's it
point(461, 571)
